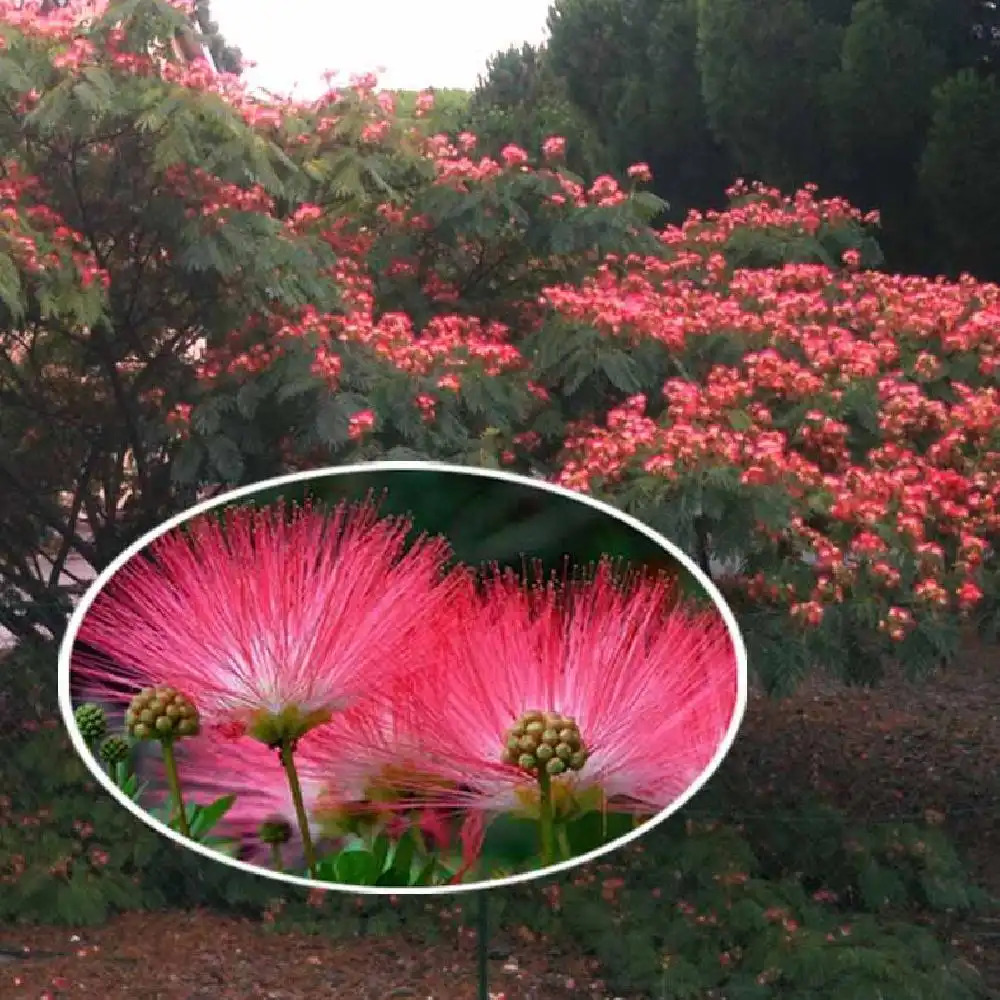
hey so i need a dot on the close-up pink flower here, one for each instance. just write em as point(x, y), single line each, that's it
point(645, 687)
point(270, 620)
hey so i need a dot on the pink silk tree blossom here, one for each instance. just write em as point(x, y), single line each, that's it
point(650, 686)
point(270, 620)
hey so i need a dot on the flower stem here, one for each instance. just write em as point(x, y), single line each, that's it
point(170, 763)
point(545, 817)
point(564, 848)
point(277, 862)
point(286, 751)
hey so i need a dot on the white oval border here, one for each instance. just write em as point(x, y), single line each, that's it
point(69, 639)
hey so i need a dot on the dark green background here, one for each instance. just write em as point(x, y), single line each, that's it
point(490, 520)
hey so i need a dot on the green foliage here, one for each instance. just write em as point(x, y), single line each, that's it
point(115, 177)
point(487, 521)
point(711, 901)
point(662, 118)
point(881, 92)
point(521, 100)
point(956, 173)
point(448, 114)
point(761, 73)
point(819, 898)
point(836, 92)
point(69, 853)
point(384, 862)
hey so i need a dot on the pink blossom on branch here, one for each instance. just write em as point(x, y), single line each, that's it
point(270, 620)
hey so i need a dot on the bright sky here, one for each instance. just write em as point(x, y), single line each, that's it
point(433, 43)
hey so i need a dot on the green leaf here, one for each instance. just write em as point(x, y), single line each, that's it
point(595, 829)
point(739, 420)
point(357, 866)
point(426, 875)
point(187, 463)
point(225, 456)
point(620, 370)
point(205, 818)
point(11, 292)
point(511, 842)
point(402, 860)
point(381, 852)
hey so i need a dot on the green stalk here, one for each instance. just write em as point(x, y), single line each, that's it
point(286, 751)
point(170, 762)
point(564, 848)
point(277, 862)
point(545, 817)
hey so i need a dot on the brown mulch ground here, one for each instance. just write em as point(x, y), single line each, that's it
point(927, 749)
point(923, 750)
point(202, 956)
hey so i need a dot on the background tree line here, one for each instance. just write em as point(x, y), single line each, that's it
point(892, 104)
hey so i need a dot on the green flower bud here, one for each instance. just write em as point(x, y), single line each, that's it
point(544, 740)
point(91, 721)
point(275, 830)
point(161, 713)
point(115, 750)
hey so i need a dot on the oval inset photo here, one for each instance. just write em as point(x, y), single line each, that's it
point(402, 678)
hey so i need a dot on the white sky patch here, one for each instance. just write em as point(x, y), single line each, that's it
point(437, 43)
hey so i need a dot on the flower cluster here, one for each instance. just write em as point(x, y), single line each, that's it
point(866, 400)
point(317, 669)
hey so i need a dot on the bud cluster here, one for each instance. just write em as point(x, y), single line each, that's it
point(115, 750)
point(545, 740)
point(91, 721)
point(274, 831)
point(161, 713)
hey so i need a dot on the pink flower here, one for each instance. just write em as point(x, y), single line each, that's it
point(640, 172)
point(360, 424)
point(513, 156)
point(269, 621)
point(554, 147)
point(652, 688)
point(968, 594)
point(851, 259)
